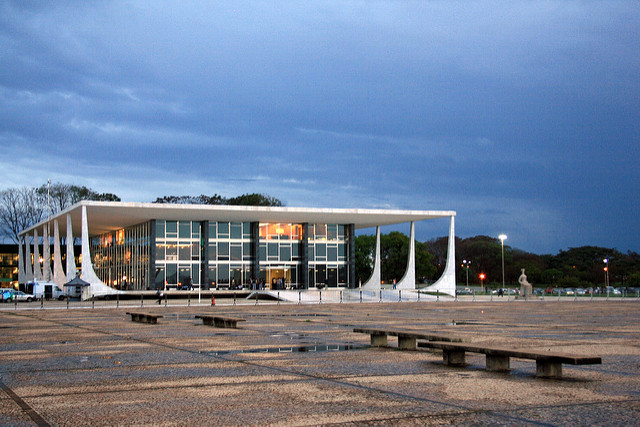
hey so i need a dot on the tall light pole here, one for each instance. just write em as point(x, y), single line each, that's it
point(606, 272)
point(502, 238)
point(467, 264)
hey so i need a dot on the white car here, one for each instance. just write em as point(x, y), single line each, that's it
point(21, 296)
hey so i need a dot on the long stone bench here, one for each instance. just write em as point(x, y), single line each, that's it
point(144, 317)
point(548, 364)
point(219, 321)
point(406, 339)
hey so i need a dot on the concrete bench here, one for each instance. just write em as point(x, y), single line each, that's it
point(220, 322)
point(144, 317)
point(548, 365)
point(406, 339)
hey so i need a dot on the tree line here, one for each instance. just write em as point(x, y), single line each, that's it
point(576, 267)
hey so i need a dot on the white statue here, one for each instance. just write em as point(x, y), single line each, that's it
point(526, 290)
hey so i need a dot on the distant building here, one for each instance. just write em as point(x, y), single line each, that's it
point(139, 246)
point(8, 266)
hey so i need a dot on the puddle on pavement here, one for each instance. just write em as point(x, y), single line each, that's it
point(294, 349)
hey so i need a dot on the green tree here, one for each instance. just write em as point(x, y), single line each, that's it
point(365, 257)
point(394, 248)
point(253, 199)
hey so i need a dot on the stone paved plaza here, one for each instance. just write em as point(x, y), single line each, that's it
point(293, 364)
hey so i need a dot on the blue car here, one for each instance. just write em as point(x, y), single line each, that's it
point(6, 295)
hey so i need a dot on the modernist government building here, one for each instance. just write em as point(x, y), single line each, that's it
point(142, 246)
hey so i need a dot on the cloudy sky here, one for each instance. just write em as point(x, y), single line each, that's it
point(522, 116)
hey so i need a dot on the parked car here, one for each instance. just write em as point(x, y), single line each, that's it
point(6, 294)
point(465, 291)
point(21, 296)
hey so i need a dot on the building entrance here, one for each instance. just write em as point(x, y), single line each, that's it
point(278, 278)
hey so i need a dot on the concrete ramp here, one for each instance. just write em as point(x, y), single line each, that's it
point(312, 296)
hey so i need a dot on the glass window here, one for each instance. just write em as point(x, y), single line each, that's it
point(172, 274)
point(159, 280)
point(321, 250)
point(321, 232)
point(160, 252)
point(246, 230)
point(184, 273)
point(294, 275)
point(195, 230)
point(212, 276)
point(273, 250)
point(185, 229)
point(285, 253)
point(236, 274)
point(172, 252)
point(311, 252)
point(213, 254)
point(246, 251)
point(332, 232)
point(295, 250)
point(332, 253)
point(262, 252)
point(332, 277)
point(285, 231)
point(212, 230)
point(184, 251)
point(223, 251)
point(321, 274)
point(236, 252)
point(296, 232)
point(236, 230)
point(223, 230)
point(342, 274)
point(160, 229)
point(341, 231)
point(342, 251)
point(223, 273)
point(172, 229)
point(195, 274)
point(195, 251)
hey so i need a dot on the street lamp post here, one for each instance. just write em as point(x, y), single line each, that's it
point(467, 264)
point(482, 276)
point(606, 272)
point(502, 238)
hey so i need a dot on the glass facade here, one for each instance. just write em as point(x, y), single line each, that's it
point(8, 266)
point(121, 258)
point(229, 257)
point(177, 254)
point(162, 254)
point(327, 254)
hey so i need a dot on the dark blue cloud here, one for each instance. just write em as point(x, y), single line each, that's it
point(522, 116)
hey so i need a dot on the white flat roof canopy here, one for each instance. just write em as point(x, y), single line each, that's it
point(110, 216)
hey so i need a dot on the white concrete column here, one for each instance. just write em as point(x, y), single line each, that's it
point(447, 283)
point(408, 281)
point(28, 264)
point(37, 271)
point(374, 282)
point(71, 260)
point(88, 274)
point(58, 274)
point(21, 273)
point(46, 254)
